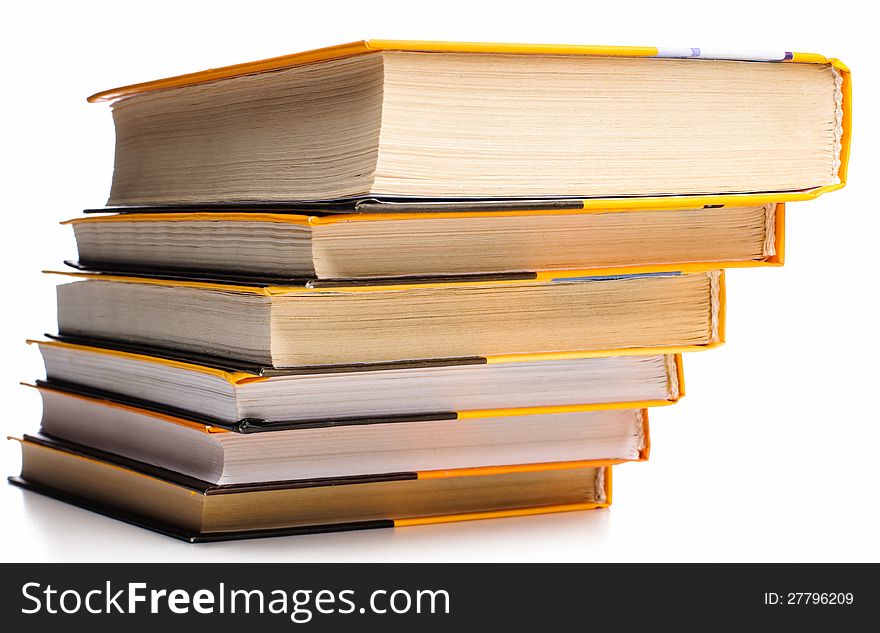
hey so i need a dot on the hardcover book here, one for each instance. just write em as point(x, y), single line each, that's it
point(306, 325)
point(222, 394)
point(246, 454)
point(398, 119)
point(195, 510)
point(429, 244)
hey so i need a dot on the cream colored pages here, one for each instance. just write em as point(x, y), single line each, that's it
point(308, 132)
point(490, 320)
point(501, 243)
point(459, 125)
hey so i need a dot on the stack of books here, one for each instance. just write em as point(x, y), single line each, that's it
point(395, 283)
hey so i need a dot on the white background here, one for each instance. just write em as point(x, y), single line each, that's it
point(772, 456)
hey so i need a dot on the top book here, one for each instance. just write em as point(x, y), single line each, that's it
point(389, 119)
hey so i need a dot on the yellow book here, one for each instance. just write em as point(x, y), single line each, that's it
point(425, 120)
point(242, 396)
point(193, 510)
point(254, 453)
point(378, 241)
point(552, 314)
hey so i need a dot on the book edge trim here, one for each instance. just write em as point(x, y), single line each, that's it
point(394, 284)
point(377, 45)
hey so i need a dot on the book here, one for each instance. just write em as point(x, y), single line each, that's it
point(193, 510)
point(455, 120)
point(425, 244)
point(221, 394)
point(246, 454)
point(295, 326)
